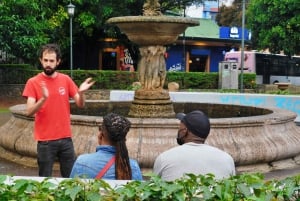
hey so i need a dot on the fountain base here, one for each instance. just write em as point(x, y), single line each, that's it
point(151, 104)
point(259, 139)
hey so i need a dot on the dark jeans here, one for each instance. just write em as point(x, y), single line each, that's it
point(49, 151)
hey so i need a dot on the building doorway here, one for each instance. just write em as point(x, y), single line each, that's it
point(198, 63)
point(109, 61)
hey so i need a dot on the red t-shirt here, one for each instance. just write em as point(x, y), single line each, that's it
point(52, 121)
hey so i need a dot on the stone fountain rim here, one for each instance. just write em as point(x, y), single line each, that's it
point(278, 115)
point(280, 118)
point(151, 19)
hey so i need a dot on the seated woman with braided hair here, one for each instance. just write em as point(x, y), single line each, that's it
point(111, 160)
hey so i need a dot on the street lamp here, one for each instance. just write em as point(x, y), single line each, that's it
point(243, 47)
point(71, 11)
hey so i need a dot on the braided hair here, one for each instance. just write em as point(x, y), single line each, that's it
point(117, 128)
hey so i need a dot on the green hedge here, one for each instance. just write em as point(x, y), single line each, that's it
point(17, 66)
point(19, 74)
point(194, 80)
point(15, 73)
point(243, 187)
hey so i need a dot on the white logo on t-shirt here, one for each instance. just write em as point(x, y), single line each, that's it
point(61, 90)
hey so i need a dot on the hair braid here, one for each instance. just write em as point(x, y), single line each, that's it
point(123, 170)
point(117, 128)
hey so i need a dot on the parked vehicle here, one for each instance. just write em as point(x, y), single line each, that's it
point(269, 68)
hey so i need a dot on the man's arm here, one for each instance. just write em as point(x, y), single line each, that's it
point(79, 96)
point(32, 105)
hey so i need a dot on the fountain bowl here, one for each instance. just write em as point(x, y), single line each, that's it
point(254, 136)
point(152, 30)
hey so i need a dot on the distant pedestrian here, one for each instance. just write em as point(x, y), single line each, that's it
point(48, 96)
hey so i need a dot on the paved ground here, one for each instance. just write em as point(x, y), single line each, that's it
point(7, 167)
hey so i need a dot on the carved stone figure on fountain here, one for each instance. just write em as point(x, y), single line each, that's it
point(152, 67)
point(152, 31)
point(151, 8)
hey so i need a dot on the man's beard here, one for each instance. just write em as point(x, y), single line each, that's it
point(49, 71)
point(180, 140)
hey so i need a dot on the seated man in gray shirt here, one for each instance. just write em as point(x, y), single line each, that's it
point(193, 155)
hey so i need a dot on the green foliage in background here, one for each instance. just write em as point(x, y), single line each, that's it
point(19, 74)
point(247, 187)
point(28, 24)
point(249, 80)
point(106, 79)
point(231, 15)
point(16, 73)
point(275, 25)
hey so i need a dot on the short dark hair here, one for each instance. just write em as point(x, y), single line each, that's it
point(52, 47)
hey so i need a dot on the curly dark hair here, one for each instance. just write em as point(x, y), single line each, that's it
point(117, 127)
point(50, 48)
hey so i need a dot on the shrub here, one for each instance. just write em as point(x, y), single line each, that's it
point(248, 187)
point(19, 74)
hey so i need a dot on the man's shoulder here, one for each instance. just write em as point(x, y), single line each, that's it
point(172, 150)
point(61, 74)
point(35, 77)
point(219, 152)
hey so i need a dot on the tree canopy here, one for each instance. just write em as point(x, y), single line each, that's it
point(27, 24)
point(231, 15)
point(275, 25)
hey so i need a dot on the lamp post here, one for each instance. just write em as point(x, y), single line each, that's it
point(243, 47)
point(71, 11)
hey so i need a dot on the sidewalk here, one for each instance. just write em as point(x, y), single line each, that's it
point(10, 168)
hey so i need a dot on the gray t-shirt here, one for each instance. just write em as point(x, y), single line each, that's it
point(193, 158)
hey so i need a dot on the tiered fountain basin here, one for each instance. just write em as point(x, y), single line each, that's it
point(257, 138)
point(152, 30)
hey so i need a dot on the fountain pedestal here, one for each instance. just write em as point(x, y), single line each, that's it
point(151, 104)
point(151, 33)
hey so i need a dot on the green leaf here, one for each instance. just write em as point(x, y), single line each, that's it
point(74, 192)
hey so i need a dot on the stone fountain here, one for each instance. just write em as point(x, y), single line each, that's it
point(255, 137)
point(151, 32)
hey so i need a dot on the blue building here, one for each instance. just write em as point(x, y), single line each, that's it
point(210, 9)
point(201, 48)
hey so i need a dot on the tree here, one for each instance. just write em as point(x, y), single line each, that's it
point(275, 25)
point(27, 24)
point(231, 15)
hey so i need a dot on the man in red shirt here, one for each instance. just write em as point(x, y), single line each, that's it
point(48, 96)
